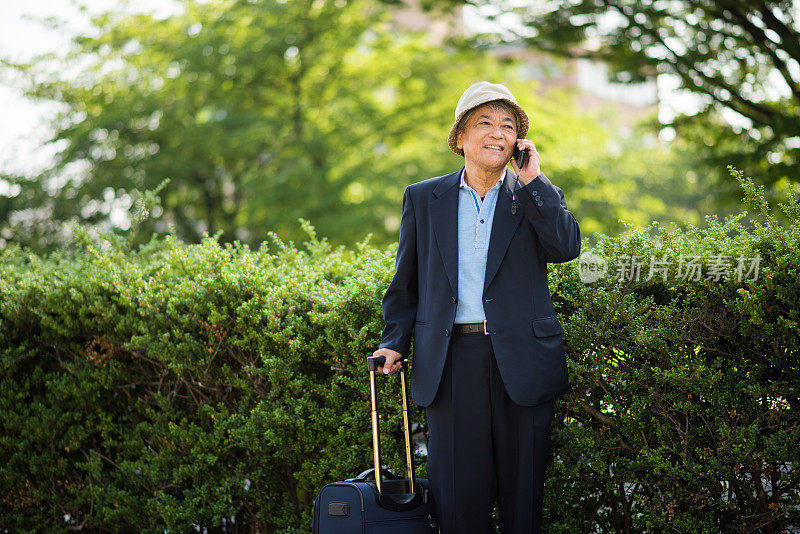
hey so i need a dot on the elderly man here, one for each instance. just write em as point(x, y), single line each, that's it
point(471, 285)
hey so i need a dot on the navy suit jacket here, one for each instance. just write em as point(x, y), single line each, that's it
point(421, 299)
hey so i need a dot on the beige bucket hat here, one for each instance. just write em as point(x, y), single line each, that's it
point(480, 93)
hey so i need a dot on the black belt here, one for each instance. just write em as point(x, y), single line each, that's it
point(470, 328)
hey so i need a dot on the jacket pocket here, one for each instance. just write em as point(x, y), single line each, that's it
point(547, 326)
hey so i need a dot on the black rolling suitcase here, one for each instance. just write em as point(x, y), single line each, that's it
point(382, 503)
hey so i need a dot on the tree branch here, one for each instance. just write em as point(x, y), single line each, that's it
point(763, 42)
point(790, 39)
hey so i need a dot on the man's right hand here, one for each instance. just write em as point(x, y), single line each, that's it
point(392, 363)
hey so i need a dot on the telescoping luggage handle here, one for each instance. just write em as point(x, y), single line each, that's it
point(373, 363)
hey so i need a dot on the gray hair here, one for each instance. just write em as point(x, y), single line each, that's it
point(494, 105)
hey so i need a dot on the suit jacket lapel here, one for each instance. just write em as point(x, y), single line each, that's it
point(444, 216)
point(504, 225)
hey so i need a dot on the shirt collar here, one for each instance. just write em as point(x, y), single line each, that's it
point(463, 183)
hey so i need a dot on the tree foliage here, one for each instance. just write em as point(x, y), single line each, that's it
point(741, 58)
point(261, 112)
point(258, 112)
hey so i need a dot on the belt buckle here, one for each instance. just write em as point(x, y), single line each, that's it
point(485, 332)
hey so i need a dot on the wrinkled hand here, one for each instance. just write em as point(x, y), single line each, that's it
point(531, 169)
point(392, 363)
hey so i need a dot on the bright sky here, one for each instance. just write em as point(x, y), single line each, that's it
point(19, 40)
point(23, 124)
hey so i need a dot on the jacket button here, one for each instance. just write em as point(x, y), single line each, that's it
point(540, 202)
point(447, 332)
point(535, 192)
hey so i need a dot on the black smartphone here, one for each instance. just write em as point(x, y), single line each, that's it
point(520, 156)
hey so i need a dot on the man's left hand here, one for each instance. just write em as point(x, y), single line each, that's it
point(531, 169)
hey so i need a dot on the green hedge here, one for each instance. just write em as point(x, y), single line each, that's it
point(175, 388)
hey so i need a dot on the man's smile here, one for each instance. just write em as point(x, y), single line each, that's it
point(494, 147)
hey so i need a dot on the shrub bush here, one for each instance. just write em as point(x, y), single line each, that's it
point(177, 388)
point(686, 409)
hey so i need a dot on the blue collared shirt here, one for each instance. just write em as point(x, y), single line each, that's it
point(475, 219)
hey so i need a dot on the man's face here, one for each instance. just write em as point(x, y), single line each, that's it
point(489, 137)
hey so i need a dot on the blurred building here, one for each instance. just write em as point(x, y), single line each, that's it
point(626, 103)
point(438, 26)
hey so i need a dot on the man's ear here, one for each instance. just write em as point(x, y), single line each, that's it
point(458, 142)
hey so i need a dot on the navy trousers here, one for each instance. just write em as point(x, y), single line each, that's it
point(482, 446)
